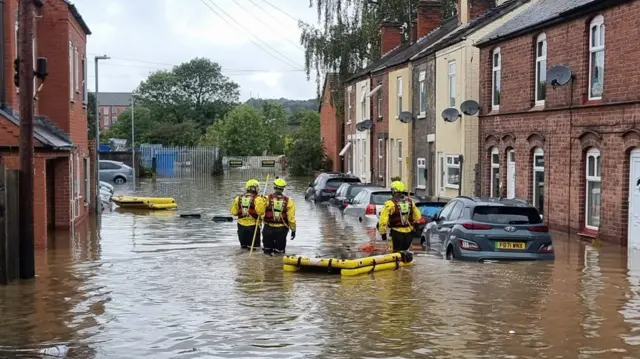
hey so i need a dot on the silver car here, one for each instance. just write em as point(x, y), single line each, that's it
point(116, 172)
point(367, 204)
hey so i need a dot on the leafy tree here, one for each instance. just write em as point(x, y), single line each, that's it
point(91, 115)
point(241, 133)
point(305, 149)
point(195, 90)
point(185, 133)
point(275, 126)
point(122, 129)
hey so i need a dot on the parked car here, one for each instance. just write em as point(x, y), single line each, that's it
point(114, 171)
point(428, 209)
point(488, 229)
point(367, 204)
point(348, 191)
point(326, 185)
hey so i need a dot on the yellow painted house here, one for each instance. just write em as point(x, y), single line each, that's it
point(400, 144)
point(457, 67)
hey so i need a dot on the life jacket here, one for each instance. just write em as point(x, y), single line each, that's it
point(276, 211)
point(247, 205)
point(402, 215)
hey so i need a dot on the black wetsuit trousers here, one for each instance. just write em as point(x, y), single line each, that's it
point(245, 236)
point(401, 241)
point(275, 239)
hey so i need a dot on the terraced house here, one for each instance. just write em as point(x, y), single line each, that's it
point(559, 115)
point(63, 188)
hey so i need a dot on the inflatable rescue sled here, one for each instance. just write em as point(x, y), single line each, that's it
point(154, 203)
point(348, 267)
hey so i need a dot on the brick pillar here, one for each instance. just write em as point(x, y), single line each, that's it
point(63, 193)
point(390, 37)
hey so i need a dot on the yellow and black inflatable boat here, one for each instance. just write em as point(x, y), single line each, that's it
point(153, 203)
point(348, 267)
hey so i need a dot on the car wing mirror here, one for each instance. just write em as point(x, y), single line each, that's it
point(311, 184)
point(434, 217)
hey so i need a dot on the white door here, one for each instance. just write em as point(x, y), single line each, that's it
point(441, 174)
point(511, 174)
point(633, 236)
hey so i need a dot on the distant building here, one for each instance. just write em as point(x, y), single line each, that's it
point(111, 105)
point(330, 125)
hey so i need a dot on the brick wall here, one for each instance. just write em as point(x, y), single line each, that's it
point(381, 127)
point(330, 126)
point(350, 120)
point(426, 125)
point(565, 135)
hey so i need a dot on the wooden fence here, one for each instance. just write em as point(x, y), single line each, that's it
point(9, 225)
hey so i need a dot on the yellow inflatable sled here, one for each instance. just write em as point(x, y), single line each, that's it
point(348, 267)
point(145, 202)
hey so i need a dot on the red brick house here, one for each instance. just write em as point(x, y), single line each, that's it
point(331, 126)
point(572, 150)
point(63, 186)
point(111, 105)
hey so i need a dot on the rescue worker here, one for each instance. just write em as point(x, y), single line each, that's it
point(279, 219)
point(399, 214)
point(249, 207)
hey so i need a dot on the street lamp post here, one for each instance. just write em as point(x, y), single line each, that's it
point(133, 142)
point(97, 158)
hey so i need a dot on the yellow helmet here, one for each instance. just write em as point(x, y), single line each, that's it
point(252, 183)
point(397, 186)
point(279, 183)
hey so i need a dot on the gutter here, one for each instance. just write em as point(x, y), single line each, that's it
point(559, 19)
point(2, 82)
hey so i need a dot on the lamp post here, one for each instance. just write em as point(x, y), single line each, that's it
point(97, 159)
point(133, 142)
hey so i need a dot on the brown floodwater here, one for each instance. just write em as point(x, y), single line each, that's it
point(153, 285)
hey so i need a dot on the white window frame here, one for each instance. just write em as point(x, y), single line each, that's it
point(541, 67)
point(538, 152)
point(71, 67)
point(400, 158)
point(421, 166)
point(494, 151)
point(451, 161)
point(422, 86)
point(87, 180)
point(399, 94)
point(363, 103)
point(363, 158)
point(349, 105)
point(15, 38)
point(76, 69)
point(595, 178)
point(380, 149)
point(380, 104)
point(452, 83)
point(85, 92)
point(597, 24)
point(496, 73)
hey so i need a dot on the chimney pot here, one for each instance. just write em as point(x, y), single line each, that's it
point(429, 17)
point(469, 10)
point(390, 36)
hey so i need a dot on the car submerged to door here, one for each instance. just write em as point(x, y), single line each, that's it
point(347, 191)
point(367, 205)
point(488, 229)
point(326, 184)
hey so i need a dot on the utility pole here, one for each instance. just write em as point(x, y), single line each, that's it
point(133, 142)
point(97, 158)
point(26, 73)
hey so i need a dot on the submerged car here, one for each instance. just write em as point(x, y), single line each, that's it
point(428, 209)
point(481, 229)
point(367, 205)
point(326, 184)
point(347, 191)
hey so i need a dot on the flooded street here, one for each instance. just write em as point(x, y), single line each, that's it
point(158, 286)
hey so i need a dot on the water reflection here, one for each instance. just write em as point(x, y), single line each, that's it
point(157, 285)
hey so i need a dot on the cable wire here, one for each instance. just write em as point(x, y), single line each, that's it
point(280, 10)
point(265, 24)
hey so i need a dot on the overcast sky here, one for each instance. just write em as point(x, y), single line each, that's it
point(141, 36)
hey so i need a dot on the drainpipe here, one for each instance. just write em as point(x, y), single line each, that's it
point(2, 49)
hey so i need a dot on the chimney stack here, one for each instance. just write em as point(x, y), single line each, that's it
point(390, 36)
point(469, 10)
point(414, 31)
point(429, 16)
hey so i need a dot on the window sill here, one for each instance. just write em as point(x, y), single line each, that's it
point(421, 187)
point(494, 111)
point(539, 106)
point(380, 118)
point(588, 233)
point(72, 101)
point(422, 116)
point(451, 186)
point(593, 101)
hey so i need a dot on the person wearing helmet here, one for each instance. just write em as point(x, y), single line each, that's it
point(249, 208)
point(279, 219)
point(399, 214)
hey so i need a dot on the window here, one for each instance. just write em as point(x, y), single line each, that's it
point(379, 198)
point(71, 67)
point(506, 215)
point(400, 159)
point(421, 165)
point(76, 69)
point(380, 104)
point(495, 173)
point(349, 105)
point(114, 120)
point(456, 212)
point(85, 93)
point(399, 90)
point(350, 159)
point(76, 185)
point(87, 178)
point(16, 26)
point(380, 157)
point(423, 94)
point(35, 62)
point(541, 68)
point(452, 166)
point(446, 211)
point(592, 206)
point(596, 58)
point(73, 187)
point(538, 179)
point(363, 104)
point(496, 73)
point(105, 110)
point(452, 84)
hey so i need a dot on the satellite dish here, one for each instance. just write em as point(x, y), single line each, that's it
point(450, 115)
point(367, 124)
point(559, 75)
point(469, 107)
point(405, 116)
point(359, 126)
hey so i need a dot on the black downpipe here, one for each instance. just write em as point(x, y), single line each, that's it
point(2, 82)
point(461, 161)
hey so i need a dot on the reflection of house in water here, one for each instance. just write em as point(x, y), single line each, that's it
point(631, 310)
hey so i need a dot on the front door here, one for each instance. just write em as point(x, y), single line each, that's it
point(633, 236)
point(511, 174)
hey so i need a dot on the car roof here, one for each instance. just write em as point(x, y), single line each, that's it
point(495, 201)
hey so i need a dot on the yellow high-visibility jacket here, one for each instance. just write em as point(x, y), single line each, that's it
point(291, 214)
point(388, 209)
point(259, 204)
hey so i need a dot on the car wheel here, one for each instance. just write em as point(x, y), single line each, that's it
point(120, 180)
point(451, 254)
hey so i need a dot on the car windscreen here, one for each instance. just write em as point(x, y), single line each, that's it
point(336, 182)
point(429, 209)
point(506, 215)
point(379, 198)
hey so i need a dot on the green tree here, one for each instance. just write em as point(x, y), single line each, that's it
point(122, 129)
point(241, 133)
point(304, 149)
point(195, 90)
point(275, 126)
point(91, 115)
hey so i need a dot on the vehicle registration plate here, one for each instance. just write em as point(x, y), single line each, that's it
point(511, 245)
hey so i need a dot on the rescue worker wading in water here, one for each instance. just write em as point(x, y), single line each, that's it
point(279, 218)
point(399, 214)
point(249, 207)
